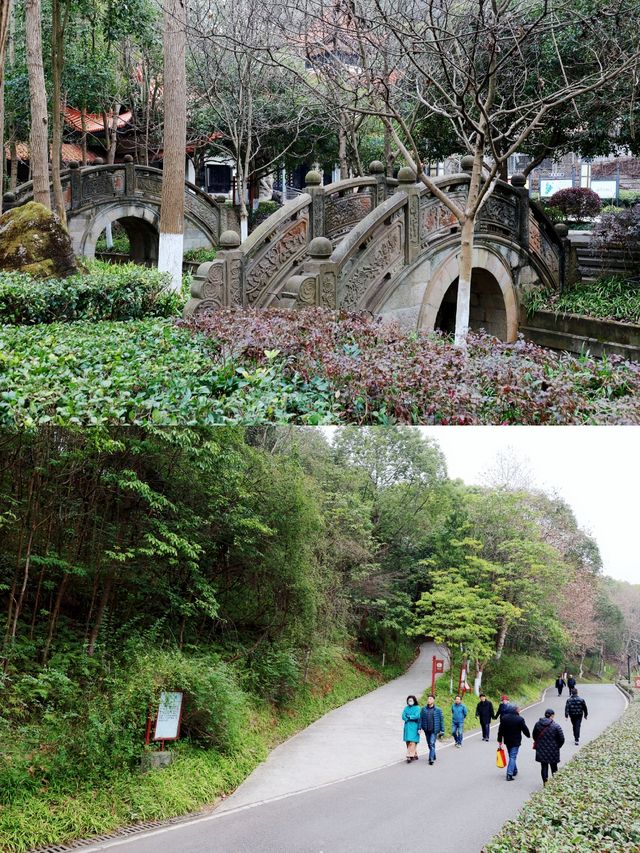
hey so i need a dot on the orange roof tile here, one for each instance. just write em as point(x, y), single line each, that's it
point(93, 123)
point(69, 152)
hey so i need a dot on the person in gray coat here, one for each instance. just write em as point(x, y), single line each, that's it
point(548, 738)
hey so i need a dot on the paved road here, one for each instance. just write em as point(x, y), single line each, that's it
point(456, 805)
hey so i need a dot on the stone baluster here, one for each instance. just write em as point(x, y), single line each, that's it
point(377, 171)
point(317, 284)
point(313, 186)
point(129, 175)
point(407, 184)
point(220, 283)
point(518, 182)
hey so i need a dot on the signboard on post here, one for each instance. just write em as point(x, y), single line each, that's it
point(608, 189)
point(549, 186)
point(169, 716)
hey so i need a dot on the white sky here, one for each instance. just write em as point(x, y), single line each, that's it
point(595, 469)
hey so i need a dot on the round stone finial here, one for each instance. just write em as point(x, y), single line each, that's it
point(98, 161)
point(320, 247)
point(9, 197)
point(229, 240)
point(313, 178)
point(518, 180)
point(406, 175)
point(73, 164)
point(376, 167)
point(466, 163)
point(561, 229)
point(127, 158)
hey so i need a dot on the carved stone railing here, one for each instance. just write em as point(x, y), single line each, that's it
point(90, 186)
point(274, 252)
point(344, 245)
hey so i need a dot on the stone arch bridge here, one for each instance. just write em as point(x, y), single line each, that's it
point(96, 196)
point(390, 247)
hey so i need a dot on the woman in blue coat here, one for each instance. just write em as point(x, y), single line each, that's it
point(411, 733)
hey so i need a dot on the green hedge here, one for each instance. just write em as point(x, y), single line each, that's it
point(105, 292)
point(591, 805)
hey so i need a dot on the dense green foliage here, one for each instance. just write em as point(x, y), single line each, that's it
point(105, 292)
point(609, 298)
point(309, 367)
point(591, 805)
point(238, 566)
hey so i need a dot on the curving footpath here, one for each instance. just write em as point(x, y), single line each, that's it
point(356, 738)
point(320, 792)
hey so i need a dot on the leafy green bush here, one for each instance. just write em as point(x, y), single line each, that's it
point(121, 245)
point(590, 805)
point(273, 671)
point(513, 672)
point(200, 256)
point(106, 292)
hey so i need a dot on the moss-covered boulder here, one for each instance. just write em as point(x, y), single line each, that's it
point(34, 240)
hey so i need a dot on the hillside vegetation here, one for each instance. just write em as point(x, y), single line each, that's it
point(266, 574)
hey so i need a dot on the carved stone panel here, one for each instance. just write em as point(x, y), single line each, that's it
point(541, 245)
point(499, 215)
point(342, 213)
point(207, 213)
point(97, 185)
point(277, 259)
point(328, 290)
point(148, 185)
point(384, 255)
point(436, 220)
point(235, 282)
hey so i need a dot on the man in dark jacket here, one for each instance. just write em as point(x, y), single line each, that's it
point(512, 727)
point(432, 724)
point(548, 737)
point(575, 708)
point(560, 684)
point(484, 712)
point(571, 683)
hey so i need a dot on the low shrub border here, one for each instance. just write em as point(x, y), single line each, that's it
point(308, 367)
point(592, 804)
point(105, 292)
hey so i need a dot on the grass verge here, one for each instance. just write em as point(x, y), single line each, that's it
point(196, 779)
point(590, 805)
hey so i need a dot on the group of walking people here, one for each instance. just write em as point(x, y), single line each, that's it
point(548, 736)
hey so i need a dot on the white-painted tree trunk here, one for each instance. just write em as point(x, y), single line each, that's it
point(477, 681)
point(170, 257)
point(244, 226)
point(464, 283)
point(108, 235)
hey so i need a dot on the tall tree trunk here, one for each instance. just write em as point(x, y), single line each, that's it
point(53, 620)
point(58, 24)
point(466, 252)
point(83, 138)
point(13, 182)
point(342, 154)
point(5, 18)
point(104, 600)
point(175, 142)
point(502, 636)
point(39, 136)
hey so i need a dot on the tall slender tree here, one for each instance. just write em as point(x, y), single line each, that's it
point(5, 17)
point(39, 135)
point(175, 140)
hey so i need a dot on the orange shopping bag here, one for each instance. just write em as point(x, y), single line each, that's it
point(501, 757)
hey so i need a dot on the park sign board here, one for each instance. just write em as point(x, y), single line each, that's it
point(606, 189)
point(169, 716)
point(549, 186)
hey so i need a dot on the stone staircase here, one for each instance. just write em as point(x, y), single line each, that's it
point(593, 264)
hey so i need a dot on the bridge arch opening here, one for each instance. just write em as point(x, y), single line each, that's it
point(143, 238)
point(487, 306)
point(140, 222)
point(494, 304)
